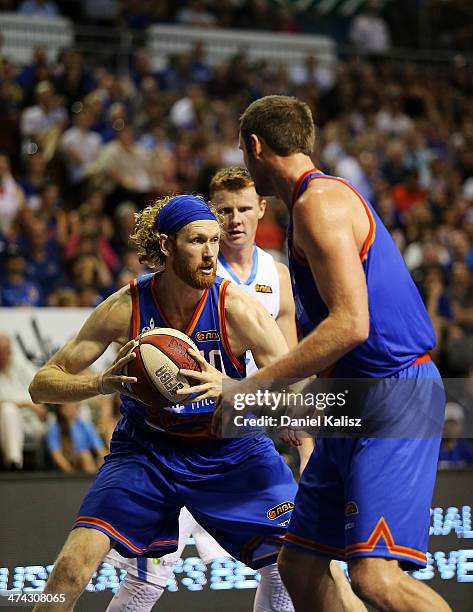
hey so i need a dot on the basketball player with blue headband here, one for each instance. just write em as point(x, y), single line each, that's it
point(164, 459)
point(233, 194)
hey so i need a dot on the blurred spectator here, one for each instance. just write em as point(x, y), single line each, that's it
point(409, 193)
point(19, 417)
point(50, 208)
point(80, 146)
point(461, 295)
point(15, 288)
point(38, 8)
point(455, 452)
point(123, 168)
point(73, 443)
point(391, 119)
point(41, 125)
point(32, 74)
point(90, 230)
point(71, 79)
point(43, 260)
point(11, 197)
point(34, 180)
point(369, 32)
point(124, 222)
point(313, 73)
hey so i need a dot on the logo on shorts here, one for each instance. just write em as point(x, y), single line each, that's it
point(205, 336)
point(351, 508)
point(279, 510)
point(263, 289)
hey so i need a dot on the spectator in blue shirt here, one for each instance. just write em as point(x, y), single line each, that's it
point(43, 263)
point(74, 444)
point(15, 289)
point(455, 452)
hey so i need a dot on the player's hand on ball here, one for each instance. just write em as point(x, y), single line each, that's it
point(113, 378)
point(209, 380)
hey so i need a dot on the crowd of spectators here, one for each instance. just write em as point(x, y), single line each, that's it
point(82, 149)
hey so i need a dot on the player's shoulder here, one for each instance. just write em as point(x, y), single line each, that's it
point(331, 196)
point(283, 272)
point(239, 302)
point(115, 312)
point(328, 204)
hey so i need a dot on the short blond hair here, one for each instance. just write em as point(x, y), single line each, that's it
point(233, 178)
point(145, 237)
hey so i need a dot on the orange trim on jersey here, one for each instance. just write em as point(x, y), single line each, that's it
point(135, 310)
point(251, 545)
point(297, 186)
point(195, 316)
point(422, 359)
point(380, 531)
point(92, 520)
point(223, 325)
point(372, 230)
point(197, 312)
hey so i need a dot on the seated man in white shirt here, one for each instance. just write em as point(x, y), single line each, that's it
point(19, 417)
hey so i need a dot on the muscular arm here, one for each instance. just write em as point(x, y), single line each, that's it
point(251, 327)
point(286, 321)
point(61, 378)
point(323, 225)
point(286, 318)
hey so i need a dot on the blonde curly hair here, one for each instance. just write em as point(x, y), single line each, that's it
point(145, 237)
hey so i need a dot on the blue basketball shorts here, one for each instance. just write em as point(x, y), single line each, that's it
point(371, 497)
point(239, 490)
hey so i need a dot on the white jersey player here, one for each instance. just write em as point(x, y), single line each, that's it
point(241, 261)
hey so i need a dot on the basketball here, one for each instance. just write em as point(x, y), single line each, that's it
point(160, 354)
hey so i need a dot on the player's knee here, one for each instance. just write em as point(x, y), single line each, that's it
point(371, 583)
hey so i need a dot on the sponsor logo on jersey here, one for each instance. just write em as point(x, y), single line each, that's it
point(280, 509)
point(351, 508)
point(263, 289)
point(206, 336)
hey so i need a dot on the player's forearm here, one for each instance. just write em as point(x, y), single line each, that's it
point(54, 386)
point(323, 347)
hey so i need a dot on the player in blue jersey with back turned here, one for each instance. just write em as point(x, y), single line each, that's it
point(365, 500)
point(164, 459)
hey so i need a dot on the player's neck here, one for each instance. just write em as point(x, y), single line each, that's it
point(240, 260)
point(176, 298)
point(286, 172)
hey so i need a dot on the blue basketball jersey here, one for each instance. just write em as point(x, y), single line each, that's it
point(207, 329)
point(400, 328)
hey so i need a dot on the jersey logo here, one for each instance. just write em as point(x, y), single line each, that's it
point(280, 509)
point(263, 289)
point(206, 336)
point(351, 508)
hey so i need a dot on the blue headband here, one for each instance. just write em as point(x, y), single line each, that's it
point(180, 211)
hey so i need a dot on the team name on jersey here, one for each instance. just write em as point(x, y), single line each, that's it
point(206, 336)
point(263, 289)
